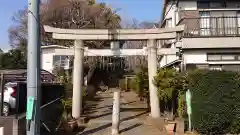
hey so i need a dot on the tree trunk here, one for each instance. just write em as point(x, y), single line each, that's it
point(172, 110)
point(148, 104)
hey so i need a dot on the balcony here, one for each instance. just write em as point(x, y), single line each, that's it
point(211, 27)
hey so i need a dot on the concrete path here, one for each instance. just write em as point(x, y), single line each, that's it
point(132, 116)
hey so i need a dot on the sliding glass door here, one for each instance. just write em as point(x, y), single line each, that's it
point(219, 23)
point(204, 23)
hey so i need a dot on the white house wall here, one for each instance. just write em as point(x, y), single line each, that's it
point(48, 53)
point(195, 57)
point(47, 59)
point(222, 42)
point(169, 10)
point(200, 56)
point(182, 5)
point(187, 5)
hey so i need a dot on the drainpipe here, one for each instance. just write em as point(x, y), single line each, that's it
point(174, 11)
point(174, 8)
point(180, 56)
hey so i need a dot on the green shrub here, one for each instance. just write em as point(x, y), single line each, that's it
point(126, 86)
point(234, 127)
point(181, 88)
point(171, 89)
point(131, 84)
point(215, 101)
point(166, 82)
point(181, 110)
point(141, 83)
point(61, 75)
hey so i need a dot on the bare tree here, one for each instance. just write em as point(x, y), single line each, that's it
point(136, 61)
point(70, 14)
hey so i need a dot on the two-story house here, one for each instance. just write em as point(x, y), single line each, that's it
point(212, 33)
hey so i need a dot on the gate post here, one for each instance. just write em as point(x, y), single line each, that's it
point(116, 113)
point(152, 72)
point(77, 78)
point(1, 130)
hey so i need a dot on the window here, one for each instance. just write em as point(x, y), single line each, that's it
point(207, 4)
point(61, 61)
point(238, 22)
point(56, 58)
point(233, 4)
point(213, 57)
point(169, 23)
point(230, 22)
point(215, 67)
point(223, 57)
point(228, 57)
point(218, 23)
point(203, 4)
point(204, 23)
point(235, 68)
point(219, 4)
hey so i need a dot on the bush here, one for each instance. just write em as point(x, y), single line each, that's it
point(171, 90)
point(215, 101)
point(127, 86)
point(61, 75)
point(131, 84)
point(140, 83)
point(166, 82)
point(182, 108)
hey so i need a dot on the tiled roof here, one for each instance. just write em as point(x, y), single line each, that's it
point(21, 74)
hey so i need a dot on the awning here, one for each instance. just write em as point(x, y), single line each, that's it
point(172, 63)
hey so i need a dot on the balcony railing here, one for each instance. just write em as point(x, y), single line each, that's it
point(211, 26)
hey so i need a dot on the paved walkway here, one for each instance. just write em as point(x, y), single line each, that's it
point(132, 116)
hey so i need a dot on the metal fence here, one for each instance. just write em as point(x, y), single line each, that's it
point(211, 26)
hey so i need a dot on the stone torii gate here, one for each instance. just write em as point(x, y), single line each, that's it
point(81, 35)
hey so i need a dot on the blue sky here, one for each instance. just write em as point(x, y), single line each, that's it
point(142, 10)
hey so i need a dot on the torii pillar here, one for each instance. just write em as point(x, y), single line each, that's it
point(152, 72)
point(78, 78)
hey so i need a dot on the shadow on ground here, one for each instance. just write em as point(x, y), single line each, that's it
point(133, 109)
point(91, 108)
point(129, 128)
point(91, 131)
point(134, 116)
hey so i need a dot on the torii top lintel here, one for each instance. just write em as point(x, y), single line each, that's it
point(114, 34)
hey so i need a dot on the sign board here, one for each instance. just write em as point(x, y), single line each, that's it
point(30, 107)
point(188, 100)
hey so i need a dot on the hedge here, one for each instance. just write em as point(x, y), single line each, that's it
point(215, 102)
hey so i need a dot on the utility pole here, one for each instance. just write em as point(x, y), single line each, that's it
point(33, 69)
